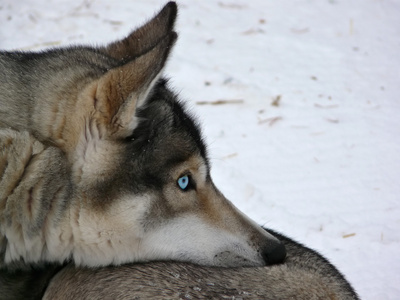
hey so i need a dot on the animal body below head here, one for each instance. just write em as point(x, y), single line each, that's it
point(102, 164)
point(305, 275)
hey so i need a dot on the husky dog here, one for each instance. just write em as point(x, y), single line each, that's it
point(101, 164)
point(305, 275)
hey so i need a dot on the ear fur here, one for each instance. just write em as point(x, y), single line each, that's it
point(146, 37)
point(123, 89)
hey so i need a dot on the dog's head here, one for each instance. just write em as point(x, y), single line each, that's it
point(141, 168)
point(159, 201)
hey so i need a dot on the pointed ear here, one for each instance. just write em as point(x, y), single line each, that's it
point(123, 89)
point(146, 37)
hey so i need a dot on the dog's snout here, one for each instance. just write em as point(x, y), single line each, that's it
point(274, 255)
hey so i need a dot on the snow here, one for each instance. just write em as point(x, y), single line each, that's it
point(321, 166)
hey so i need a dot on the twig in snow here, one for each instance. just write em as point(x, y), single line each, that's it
point(325, 106)
point(253, 31)
point(270, 121)
point(232, 155)
point(220, 102)
point(345, 236)
point(332, 120)
point(276, 101)
point(299, 31)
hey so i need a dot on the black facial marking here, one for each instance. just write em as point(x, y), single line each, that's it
point(166, 136)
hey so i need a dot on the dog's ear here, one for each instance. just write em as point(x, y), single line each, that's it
point(123, 89)
point(146, 37)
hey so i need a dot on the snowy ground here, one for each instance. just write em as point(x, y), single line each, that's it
point(308, 140)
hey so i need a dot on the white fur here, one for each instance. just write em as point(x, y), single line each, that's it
point(190, 238)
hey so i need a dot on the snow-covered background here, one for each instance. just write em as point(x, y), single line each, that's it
point(307, 138)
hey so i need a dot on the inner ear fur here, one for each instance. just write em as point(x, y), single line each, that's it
point(145, 37)
point(125, 88)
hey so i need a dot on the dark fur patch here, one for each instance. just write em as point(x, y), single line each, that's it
point(166, 136)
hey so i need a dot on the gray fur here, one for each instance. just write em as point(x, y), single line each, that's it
point(34, 191)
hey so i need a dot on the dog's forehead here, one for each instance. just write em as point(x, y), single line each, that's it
point(179, 155)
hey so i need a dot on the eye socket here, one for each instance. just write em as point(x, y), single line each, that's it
point(184, 182)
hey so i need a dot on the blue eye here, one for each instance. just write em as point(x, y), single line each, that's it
point(183, 182)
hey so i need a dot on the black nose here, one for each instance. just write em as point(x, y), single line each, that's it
point(274, 255)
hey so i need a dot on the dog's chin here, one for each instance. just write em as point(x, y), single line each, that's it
point(227, 259)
